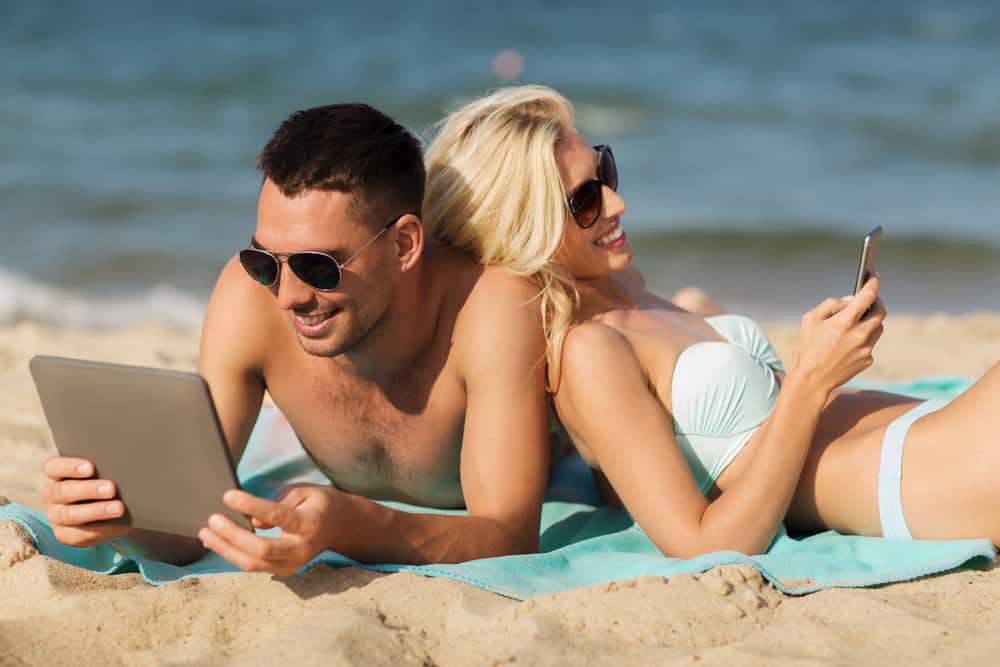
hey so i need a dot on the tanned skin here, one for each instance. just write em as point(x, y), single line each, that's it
point(813, 463)
point(425, 384)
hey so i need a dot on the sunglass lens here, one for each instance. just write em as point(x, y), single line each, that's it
point(588, 203)
point(609, 169)
point(316, 269)
point(259, 265)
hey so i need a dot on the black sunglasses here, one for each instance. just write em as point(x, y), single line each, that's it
point(316, 269)
point(587, 200)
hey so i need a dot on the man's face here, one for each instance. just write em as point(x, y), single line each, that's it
point(327, 323)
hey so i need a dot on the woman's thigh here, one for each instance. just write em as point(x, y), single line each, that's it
point(951, 467)
point(951, 464)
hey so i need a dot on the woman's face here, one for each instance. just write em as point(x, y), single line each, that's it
point(603, 247)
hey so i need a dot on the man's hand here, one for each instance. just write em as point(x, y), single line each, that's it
point(78, 506)
point(303, 512)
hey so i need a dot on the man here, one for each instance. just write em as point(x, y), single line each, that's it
point(407, 370)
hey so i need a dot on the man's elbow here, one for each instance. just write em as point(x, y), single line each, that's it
point(524, 544)
point(516, 539)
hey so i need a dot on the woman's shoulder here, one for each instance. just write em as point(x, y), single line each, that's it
point(599, 367)
point(594, 347)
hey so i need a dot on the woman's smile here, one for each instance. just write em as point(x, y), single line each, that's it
point(613, 239)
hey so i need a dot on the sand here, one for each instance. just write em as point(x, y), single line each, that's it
point(52, 614)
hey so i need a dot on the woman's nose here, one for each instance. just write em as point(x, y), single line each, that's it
point(614, 204)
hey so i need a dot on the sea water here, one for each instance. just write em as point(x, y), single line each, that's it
point(756, 142)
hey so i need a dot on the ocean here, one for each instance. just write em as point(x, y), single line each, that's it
point(756, 142)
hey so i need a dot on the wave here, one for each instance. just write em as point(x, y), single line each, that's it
point(778, 274)
point(769, 273)
point(807, 242)
point(22, 299)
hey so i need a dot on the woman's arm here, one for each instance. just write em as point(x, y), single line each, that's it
point(606, 404)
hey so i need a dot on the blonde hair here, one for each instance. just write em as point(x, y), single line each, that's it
point(494, 190)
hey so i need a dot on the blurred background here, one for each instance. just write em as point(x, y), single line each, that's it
point(756, 142)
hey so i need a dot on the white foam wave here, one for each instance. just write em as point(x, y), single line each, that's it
point(22, 299)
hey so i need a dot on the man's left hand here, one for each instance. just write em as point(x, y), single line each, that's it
point(303, 512)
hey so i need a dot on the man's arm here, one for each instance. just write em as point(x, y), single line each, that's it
point(233, 340)
point(504, 465)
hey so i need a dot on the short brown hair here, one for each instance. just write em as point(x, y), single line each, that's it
point(350, 148)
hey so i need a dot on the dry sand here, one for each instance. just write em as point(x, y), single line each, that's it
point(51, 613)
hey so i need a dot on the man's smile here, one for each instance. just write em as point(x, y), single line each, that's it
point(314, 325)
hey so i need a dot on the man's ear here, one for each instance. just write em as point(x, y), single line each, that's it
point(409, 241)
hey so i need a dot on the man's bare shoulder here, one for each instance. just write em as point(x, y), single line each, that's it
point(493, 309)
point(504, 300)
point(496, 283)
point(241, 297)
point(241, 320)
point(480, 293)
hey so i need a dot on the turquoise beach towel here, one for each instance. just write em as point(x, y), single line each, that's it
point(582, 544)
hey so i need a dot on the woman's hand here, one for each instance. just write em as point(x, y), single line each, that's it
point(837, 337)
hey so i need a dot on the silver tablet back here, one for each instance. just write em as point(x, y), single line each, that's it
point(153, 432)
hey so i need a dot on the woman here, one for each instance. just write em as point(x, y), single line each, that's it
point(707, 440)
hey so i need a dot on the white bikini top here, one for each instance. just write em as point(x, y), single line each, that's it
point(721, 393)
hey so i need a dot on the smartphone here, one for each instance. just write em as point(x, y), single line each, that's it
point(869, 254)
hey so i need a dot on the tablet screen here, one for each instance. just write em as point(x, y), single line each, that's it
point(154, 432)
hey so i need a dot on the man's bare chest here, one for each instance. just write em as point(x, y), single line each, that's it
point(398, 441)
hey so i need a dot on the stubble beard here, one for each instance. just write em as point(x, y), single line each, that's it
point(342, 342)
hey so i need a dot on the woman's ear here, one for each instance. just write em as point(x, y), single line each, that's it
point(409, 241)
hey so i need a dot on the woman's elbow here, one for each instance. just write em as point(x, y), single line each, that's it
point(700, 547)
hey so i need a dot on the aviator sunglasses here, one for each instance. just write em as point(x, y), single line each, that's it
point(317, 269)
point(587, 200)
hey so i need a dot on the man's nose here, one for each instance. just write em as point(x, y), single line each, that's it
point(291, 291)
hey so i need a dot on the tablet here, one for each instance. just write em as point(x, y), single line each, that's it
point(154, 432)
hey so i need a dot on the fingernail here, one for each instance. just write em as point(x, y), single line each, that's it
point(83, 468)
point(104, 489)
point(215, 521)
point(111, 508)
